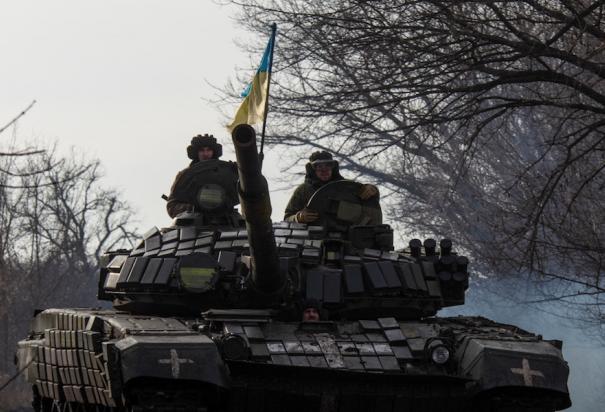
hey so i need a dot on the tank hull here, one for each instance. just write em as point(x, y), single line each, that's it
point(94, 360)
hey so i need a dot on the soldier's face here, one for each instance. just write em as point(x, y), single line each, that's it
point(205, 153)
point(310, 315)
point(323, 171)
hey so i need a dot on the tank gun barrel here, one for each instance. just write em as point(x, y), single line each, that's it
point(256, 208)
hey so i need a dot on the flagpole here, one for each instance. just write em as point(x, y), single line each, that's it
point(261, 154)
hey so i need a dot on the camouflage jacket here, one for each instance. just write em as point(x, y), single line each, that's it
point(174, 206)
point(298, 200)
point(303, 193)
point(184, 188)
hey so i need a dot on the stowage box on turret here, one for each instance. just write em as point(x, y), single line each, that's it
point(208, 317)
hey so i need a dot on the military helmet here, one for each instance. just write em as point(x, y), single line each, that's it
point(207, 140)
point(315, 159)
point(311, 303)
point(322, 157)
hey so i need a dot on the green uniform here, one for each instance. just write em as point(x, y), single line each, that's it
point(303, 192)
point(298, 200)
point(187, 183)
point(179, 200)
point(175, 206)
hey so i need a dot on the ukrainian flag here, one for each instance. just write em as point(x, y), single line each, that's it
point(252, 109)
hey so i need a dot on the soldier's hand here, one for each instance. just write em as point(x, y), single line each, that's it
point(367, 191)
point(306, 216)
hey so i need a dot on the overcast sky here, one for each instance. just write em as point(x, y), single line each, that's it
point(123, 81)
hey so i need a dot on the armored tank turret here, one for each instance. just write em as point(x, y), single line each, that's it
point(207, 316)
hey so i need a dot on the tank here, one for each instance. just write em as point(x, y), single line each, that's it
point(208, 316)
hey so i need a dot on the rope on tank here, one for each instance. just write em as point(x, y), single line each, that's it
point(17, 374)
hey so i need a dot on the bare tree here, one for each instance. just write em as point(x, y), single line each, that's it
point(64, 215)
point(482, 119)
point(54, 227)
point(10, 158)
point(11, 155)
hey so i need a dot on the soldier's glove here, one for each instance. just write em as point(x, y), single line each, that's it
point(306, 216)
point(367, 191)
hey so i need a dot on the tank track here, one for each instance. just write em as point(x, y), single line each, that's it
point(301, 392)
point(354, 397)
point(51, 405)
point(310, 404)
point(281, 389)
point(146, 398)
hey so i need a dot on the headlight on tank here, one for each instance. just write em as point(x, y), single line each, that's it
point(211, 197)
point(438, 351)
point(440, 355)
point(234, 347)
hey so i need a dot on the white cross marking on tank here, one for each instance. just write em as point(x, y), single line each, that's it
point(175, 363)
point(527, 372)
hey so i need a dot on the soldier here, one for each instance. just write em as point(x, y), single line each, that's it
point(310, 312)
point(202, 148)
point(321, 169)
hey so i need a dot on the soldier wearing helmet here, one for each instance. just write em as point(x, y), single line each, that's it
point(311, 310)
point(320, 169)
point(202, 148)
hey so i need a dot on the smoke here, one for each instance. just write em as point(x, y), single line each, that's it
point(505, 301)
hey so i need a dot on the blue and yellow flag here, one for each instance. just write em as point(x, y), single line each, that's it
point(252, 109)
